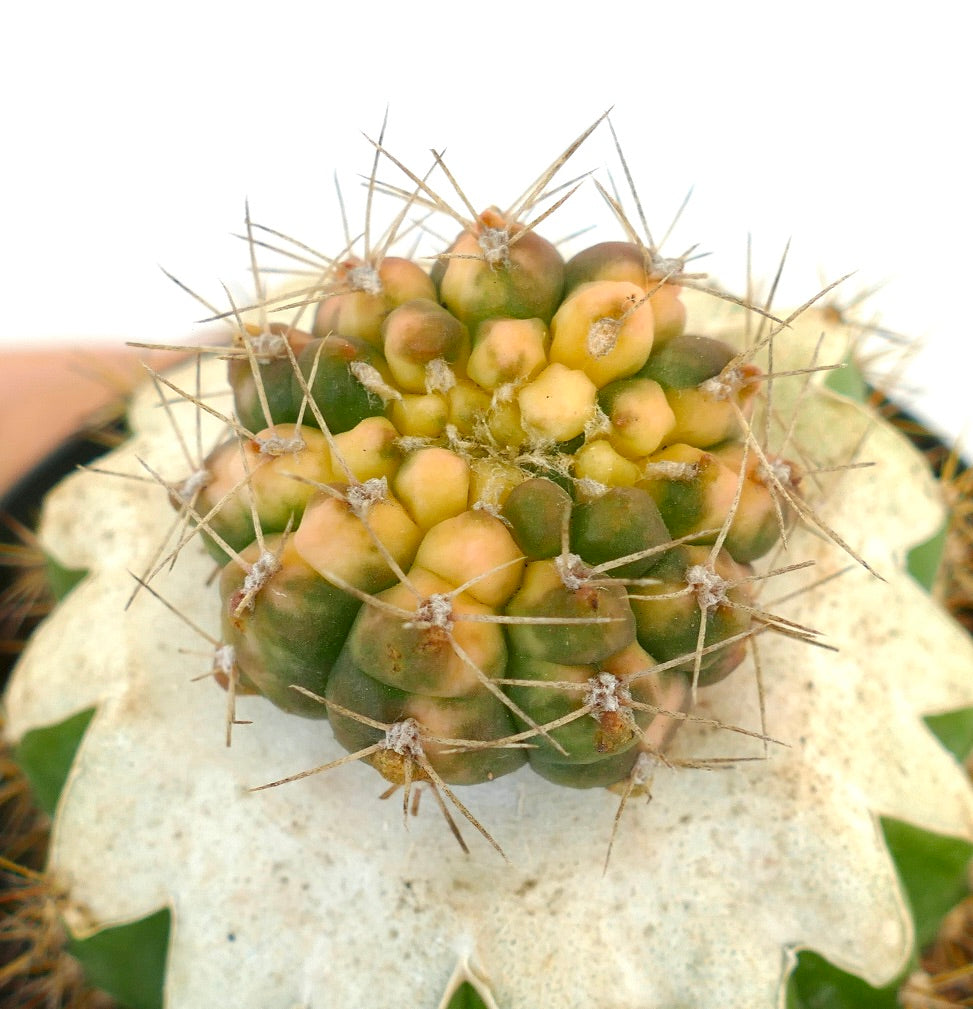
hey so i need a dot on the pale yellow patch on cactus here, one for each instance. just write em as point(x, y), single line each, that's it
point(369, 449)
point(415, 335)
point(491, 481)
point(705, 418)
point(340, 544)
point(366, 295)
point(286, 454)
point(558, 404)
point(474, 545)
point(598, 461)
point(641, 419)
point(468, 407)
point(605, 329)
point(505, 422)
point(434, 484)
point(628, 662)
point(507, 350)
point(668, 311)
point(421, 415)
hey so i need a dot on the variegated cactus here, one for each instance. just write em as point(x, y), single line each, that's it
point(508, 522)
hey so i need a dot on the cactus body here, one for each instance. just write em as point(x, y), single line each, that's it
point(460, 584)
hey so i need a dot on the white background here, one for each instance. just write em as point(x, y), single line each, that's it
point(132, 134)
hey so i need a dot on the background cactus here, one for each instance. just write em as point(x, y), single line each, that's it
point(526, 515)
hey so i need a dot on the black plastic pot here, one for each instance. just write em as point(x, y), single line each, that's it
point(22, 504)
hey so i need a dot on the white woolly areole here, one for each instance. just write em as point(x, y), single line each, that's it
point(365, 278)
point(371, 378)
point(413, 442)
point(224, 660)
point(404, 738)
point(275, 444)
point(725, 385)
point(440, 377)
point(573, 571)
point(602, 336)
point(267, 346)
point(709, 587)
point(490, 507)
point(456, 441)
point(193, 484)
point(589, 488)
point(495, 245)
point(599, 424)
point(361, 496)
point(331, 903)
point(667, 469)
point(645, 766)
point(664, 266)
point(505, 393)
point(606, 692)
point(261, 571)
point(779, 471)
point(433, 611)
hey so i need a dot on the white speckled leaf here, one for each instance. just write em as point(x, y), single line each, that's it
point(312, 894)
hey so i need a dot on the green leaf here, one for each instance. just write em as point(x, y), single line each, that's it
point(60, 579)
point(932, 869)
point(466, 998)
point(46, 755)
point(922, 561)
point(933, 873)
point(129, 961)
point(954, 730)
point(848, 381)
point(818, 984)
